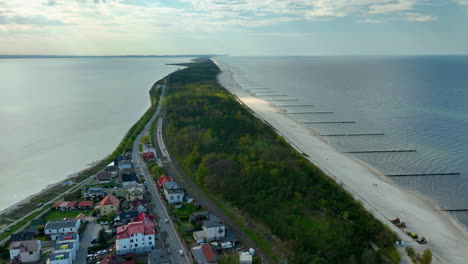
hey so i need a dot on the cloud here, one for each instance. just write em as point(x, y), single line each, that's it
point(462, 2)
point(369, 21)
point(36, 20)
point(416, 17)
point(394, 6)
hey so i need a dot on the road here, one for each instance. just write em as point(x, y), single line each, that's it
point(92, 230)
point(173, 242)
point(175, 171)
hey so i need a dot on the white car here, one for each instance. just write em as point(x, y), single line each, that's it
point(101, 252)
point(181, 253)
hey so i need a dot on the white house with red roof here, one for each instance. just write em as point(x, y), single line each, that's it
point(65, 206)
point(136, 237)
point(110, 204)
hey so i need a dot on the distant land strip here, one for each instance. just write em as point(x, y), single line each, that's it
point(381, 151)
point(352, 135)
point(424, 174)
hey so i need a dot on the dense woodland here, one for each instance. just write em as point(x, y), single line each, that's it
point(238, 158)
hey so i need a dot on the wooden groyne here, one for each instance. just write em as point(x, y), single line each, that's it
point(301, 113)
point(294, 105)
point(352, 135)
point(424, 174)
point(381, 151)
point(329, 122)
point(280, 100)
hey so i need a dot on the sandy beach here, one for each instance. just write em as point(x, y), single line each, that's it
point(447, 239)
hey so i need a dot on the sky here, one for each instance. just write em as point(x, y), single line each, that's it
point(234, 27)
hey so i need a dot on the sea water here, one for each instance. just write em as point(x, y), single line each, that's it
point(414, 103)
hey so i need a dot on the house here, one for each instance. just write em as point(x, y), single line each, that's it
point(110, 204)
point(124, 164)
point(93, 193)
point(141, 217)
point(66, 247)
point(65, 206)
point(32, 229)
point(128, 179)
point(245, 258)
point(214, 228)
point(116, 259)
point(69, 238)
point(27, 251)
point(125, 218)
point(173, 192)
point(21, 236)
point(118, 192)
point(112, 169)
point(136, 237)
point(162, 179)
point(86, 205)
point(103, 177)
point(60, 258)
point(135, 191)
point(148, 156)
point(55, 228)
point(138, 205)
point(205, 254)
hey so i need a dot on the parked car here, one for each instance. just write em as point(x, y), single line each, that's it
point(94, 240)
point(167, 221)
point(181, 253)
point(101, 252)
point(104, 223)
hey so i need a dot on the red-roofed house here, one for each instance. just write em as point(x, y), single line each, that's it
point(65, 206)
point(110, 204)
point(143, 217)
point(147, 156)
point(85, 204)
point(163, 179)
point(210, 253)
point(137, 237)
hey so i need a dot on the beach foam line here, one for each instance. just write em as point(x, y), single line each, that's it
point(383, 198)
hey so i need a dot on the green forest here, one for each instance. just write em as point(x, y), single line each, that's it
point(241, 160)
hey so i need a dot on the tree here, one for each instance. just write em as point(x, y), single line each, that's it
point(426, 257)
point(102, 237)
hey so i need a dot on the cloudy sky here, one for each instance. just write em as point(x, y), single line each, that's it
point(236, 27)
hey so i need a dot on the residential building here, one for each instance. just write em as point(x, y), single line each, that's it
point(214, 228)
point(125, 217)
point(109, 205)
point(69, 238)
point(135, 191)
point(66, 247)
point(205, 254)
point(173, 192)
point(129, 179)
point(65, 206)
point(118, 192)
point(136, 237)
point(103, 177)
point(86, 205)
point(93, 193)
point(60, 258)
point(124, 164)
point(162, 179)
point(27, 251)
point(55, 228)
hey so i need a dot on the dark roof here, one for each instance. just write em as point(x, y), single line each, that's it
point(213, 221)
point(102, 175)
point(21, 236)
point(61, 224)
point(128, 215)
point(110, 168)
point(129, 177)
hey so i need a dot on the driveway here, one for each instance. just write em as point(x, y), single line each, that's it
point(92, 230)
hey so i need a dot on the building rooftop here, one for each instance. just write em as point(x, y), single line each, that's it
point(64, 246)
point(61, 224)
point(171, 185)
point(145, 228)
point(85, 203)
point(212, 221)
point(59, 256)
point(26, 245)
point(110, 200)
point(66, 238)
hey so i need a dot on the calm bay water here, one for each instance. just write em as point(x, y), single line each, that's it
point(58, 115)
point(419, 103)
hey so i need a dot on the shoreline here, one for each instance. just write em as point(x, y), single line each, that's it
point(447, 237)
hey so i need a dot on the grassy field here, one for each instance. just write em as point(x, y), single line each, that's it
point(58, 215)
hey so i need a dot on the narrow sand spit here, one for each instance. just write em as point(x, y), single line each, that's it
point(386, 200)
